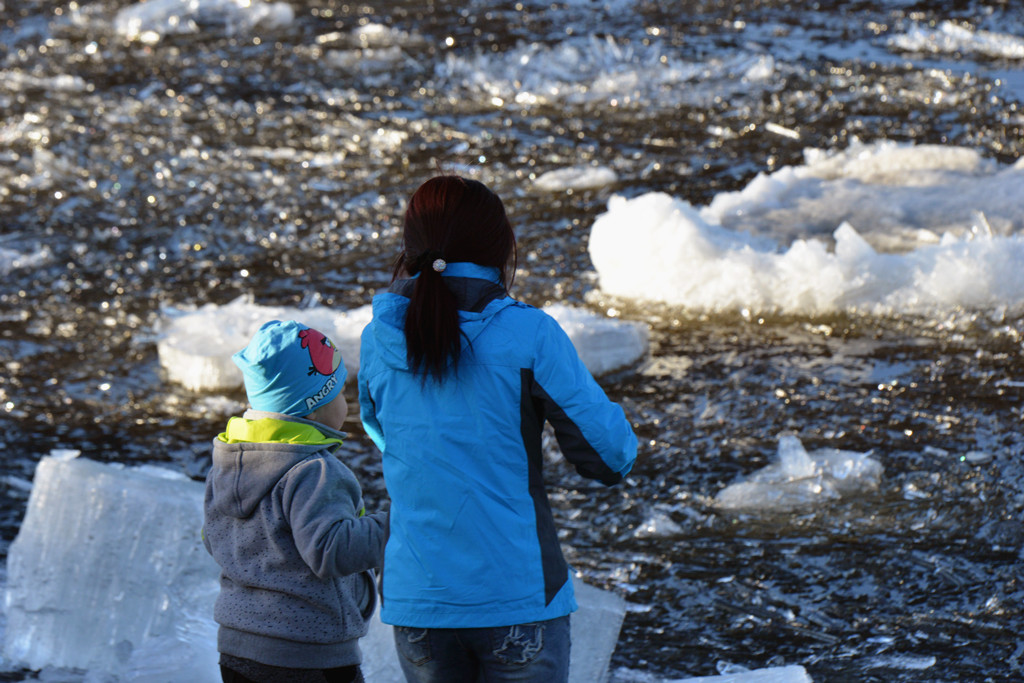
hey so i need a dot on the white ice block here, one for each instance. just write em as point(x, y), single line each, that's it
point(107, 562)
point(576, 178)
point(594, 630)
point(801, 479)
point(108, 575)
point(150, 20)
point(778, 674)
point(195, 347)
point(945, 238)
point(604, 344)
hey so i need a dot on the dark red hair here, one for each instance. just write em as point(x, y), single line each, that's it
point(458, 220)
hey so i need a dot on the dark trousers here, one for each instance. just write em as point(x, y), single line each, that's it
point(344, 674)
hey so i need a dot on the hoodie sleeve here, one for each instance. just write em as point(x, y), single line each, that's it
point(592, 431)
point(323, 504)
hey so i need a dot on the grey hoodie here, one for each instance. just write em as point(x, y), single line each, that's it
point(283, 519)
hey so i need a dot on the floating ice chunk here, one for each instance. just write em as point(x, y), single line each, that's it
point(263, 15)
point(64, 453)
point(783, 495)
point(905, 662)
point(778, 674)
point(616, 6)
point(149, 21)
point(196, 346)
point(576, 178)
point(658, 524)
point(381, 35)
point(367, 59)
point(601, 70)
point(654, 247)
point(952, 38)
point(900, 196)
point(781, 674)
point(801, 479)
point(604, 344)
point(782, 131)
point(19, 80)
point(380, 49)
point(978, 457)
point(794, 463)
point(11, 260)
point(108, 576)
point(848, 471)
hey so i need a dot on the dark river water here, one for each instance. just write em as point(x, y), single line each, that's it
point(155, 164)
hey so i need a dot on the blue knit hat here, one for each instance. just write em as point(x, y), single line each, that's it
point(290, 368)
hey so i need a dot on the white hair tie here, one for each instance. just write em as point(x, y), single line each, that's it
point(439, 265)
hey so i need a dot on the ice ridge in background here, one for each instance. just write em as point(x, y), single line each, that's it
point(149, 21)
point(605, 71)
point(618, 70)
point(952, 38)
point(576, 71)
point(882, 229)
point(196, 346)
point(11, 259)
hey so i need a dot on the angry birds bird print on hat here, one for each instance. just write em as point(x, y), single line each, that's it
point(290, 368)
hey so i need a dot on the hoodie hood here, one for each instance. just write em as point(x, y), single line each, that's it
point(479, 294)
point(256, 450)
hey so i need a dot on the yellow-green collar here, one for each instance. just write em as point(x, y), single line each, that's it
point(272, 430)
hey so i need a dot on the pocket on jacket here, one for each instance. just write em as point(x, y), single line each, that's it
point(367, 593)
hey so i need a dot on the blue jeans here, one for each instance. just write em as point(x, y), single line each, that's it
point(525, 653)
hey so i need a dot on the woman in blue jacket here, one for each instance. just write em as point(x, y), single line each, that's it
point(456, 381)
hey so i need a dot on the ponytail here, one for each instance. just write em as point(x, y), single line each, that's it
point(449, 219)
point(432, 335)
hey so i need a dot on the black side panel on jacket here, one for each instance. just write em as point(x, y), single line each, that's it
point(556, 571)
point(574, 445)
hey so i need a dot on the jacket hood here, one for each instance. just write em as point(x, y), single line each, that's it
point(479, 294)
point(256, 450)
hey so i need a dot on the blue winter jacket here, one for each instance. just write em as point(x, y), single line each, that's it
point(472, 539)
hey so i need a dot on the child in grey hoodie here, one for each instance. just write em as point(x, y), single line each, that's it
point(284, 519)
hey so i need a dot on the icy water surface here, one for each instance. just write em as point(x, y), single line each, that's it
point(152, 158)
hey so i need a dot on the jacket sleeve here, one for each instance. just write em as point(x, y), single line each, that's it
point(591, 430)
point(367, 407)
point(323, 504)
